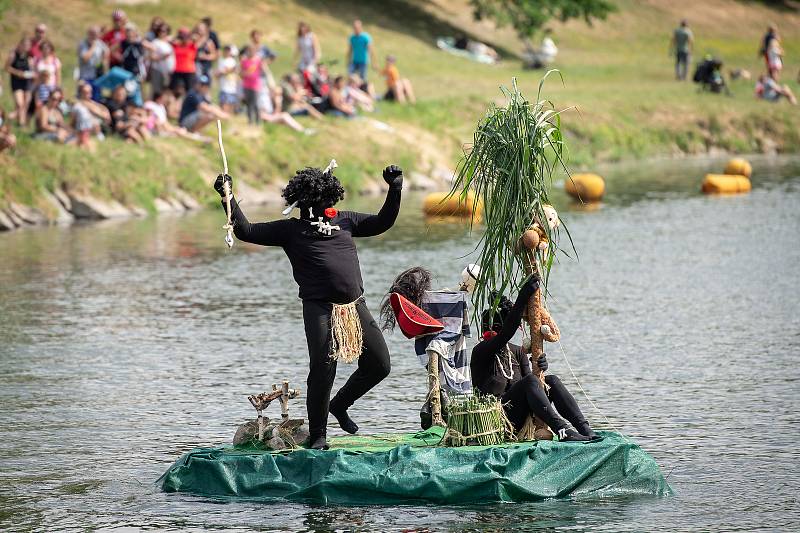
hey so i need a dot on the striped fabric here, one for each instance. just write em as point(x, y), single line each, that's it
point(451, 308)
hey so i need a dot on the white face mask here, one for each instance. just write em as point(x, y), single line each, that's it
point(469, 277)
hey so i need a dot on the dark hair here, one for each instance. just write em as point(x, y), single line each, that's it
point(411, 284)
point(490, 318)
point(311, 187)
point(157, 95)
point(208, 21)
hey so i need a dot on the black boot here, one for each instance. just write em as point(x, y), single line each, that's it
point(318, 442)
point(570, 435)
point(342, 417)
point(585, 430)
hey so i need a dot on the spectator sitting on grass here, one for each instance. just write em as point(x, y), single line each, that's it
point(93, 56)
point(397, 88)
point(122, 123)
point(228, 80)
point(771, 91)
point(7, 139)
point(273, 112)
point(50, 124)
point(159, 124)
point(338, 99)
point(357, 96)
point(88, 117)
point(197, 109)
point(296, 98)
point(44, 87)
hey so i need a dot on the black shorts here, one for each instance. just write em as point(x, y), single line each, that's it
point(182, 79)
point(389, 95)
point(20, 84)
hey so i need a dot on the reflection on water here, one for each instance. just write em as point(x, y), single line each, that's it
point(124, 344)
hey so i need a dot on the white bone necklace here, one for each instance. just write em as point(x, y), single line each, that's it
point(323, 226)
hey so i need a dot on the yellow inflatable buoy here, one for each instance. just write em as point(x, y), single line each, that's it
point(585, 187)
point(438, 204)
point(725, 184)
point(739, 166)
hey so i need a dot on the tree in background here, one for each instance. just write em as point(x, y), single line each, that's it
point(529, 16)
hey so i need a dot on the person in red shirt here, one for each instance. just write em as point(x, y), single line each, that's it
point(185, 50)
point(40, 35)
point(114, 37)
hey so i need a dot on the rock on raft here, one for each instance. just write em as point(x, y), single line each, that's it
point(391, 469)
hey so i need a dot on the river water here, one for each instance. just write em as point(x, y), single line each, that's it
point(125, 344)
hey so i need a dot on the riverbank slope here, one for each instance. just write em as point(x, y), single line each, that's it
point(617, 76)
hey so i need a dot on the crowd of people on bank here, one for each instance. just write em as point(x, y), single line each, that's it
point(166, 82)
point(709, 74)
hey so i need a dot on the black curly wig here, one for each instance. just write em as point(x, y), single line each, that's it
point(493, 320)
point(411, 284)
point(312, 187)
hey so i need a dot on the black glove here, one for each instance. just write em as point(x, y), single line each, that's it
point(393, 175)
point(542, 363)
point(219, 184)
point(531, 284)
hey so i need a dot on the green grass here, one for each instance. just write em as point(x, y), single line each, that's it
point(617, 76)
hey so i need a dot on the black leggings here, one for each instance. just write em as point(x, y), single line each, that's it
point(373, 363)
point(527, 396)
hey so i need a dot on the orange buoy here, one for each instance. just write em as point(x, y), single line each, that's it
point(585, 187)
point(739, 166)
point(725, 184)
point(440, 204)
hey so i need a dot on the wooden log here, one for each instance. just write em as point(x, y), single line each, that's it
point(434, 387)
point(534, 317)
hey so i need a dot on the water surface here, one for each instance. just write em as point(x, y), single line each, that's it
point(125, 344)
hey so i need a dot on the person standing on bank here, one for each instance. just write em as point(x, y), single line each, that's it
point(324, 260)
point(681, 45)
point(360, 52)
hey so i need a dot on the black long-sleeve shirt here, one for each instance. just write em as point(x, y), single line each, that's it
point(487, 375)
point(325, 267)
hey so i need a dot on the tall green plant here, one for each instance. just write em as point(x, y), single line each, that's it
point(515, 151)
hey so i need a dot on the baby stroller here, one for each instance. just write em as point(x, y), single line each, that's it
point(708, 75)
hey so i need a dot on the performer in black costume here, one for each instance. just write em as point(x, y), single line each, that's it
point(503, 369)
point(325, 265)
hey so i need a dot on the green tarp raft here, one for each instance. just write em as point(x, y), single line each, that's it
point(391, 469)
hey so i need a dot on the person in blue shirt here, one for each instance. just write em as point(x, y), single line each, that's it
point(360, 52)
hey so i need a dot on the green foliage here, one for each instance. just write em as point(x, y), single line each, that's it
point(515, 151)
point(528, 16)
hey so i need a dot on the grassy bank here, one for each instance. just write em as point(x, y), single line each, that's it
point(617, 76)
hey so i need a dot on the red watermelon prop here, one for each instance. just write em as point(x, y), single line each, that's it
point(412, 320)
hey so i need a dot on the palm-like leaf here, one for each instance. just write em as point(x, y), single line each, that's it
point(510, 165)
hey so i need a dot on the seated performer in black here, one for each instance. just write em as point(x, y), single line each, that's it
point(503, 369)
point(324, 262)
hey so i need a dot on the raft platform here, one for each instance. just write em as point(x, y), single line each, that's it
point(411, 468)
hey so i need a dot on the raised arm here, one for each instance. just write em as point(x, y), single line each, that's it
point(365, 225)
point(263, 233)
point(511, 322)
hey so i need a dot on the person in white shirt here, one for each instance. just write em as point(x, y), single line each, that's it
point(228, 80)
point(162, 60)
